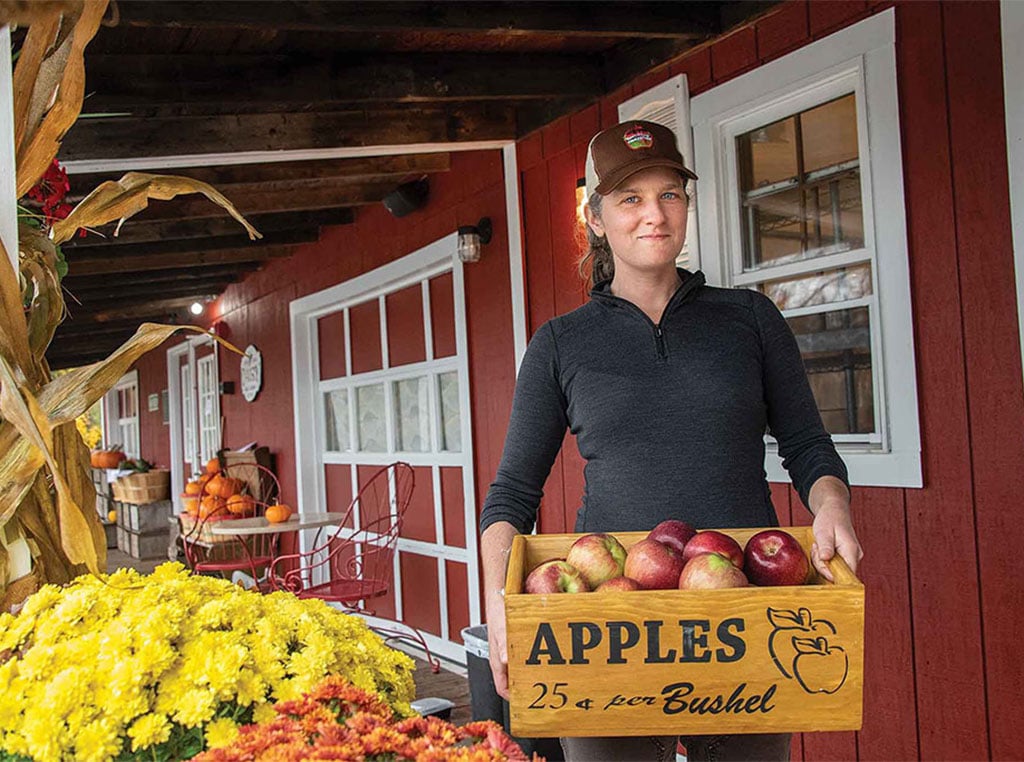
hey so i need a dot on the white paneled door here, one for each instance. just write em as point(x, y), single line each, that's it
point(381, 374)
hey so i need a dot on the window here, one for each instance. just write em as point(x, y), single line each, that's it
point(121, 417)
point(209, 407)
point(802, 200)
point(188, 418)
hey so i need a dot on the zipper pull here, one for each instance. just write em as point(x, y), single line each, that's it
point(660, 341)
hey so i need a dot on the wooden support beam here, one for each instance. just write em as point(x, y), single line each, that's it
point(78, 329)
point(624, 18)
point(339, 78)
point(117, 264)
point(75, 285)
point(156, 310)
point(114, 137)
point(139, 231)
point(127, 293)
point(226, 178)
point(103, 250)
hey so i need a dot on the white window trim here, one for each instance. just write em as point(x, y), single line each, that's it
point(208, 363)
point(863, 57)
point(1011, 17)
point(676, 89)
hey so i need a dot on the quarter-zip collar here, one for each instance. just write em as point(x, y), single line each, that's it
point(690, 283)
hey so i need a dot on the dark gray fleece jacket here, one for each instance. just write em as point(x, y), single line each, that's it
point(670, 417)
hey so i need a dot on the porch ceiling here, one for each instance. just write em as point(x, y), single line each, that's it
point(182, 78)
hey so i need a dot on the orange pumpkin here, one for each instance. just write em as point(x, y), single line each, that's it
point(277, 513)
point(229, 486)
point(190, 503)
point(106, 458)
point(211, 505)
point(241, 505)
point(213, 485)
point(193, 488)
point(213, 465)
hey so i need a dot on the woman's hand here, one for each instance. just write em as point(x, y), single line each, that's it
point(833, 528)
point(497, 643)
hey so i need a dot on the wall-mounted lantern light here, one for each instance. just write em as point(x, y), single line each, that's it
point(472, 237)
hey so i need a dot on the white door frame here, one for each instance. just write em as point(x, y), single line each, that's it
point(174, 413)
point(111, 415)
point(434, 259)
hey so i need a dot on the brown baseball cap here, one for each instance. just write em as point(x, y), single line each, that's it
point(625, 149)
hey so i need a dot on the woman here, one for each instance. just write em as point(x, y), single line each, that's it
point(669, 386)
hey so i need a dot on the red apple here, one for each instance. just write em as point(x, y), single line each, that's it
point(673, 533)
point(556, 576)
point(598, 557)
point(712, 541)
point(653, 565)
point(618, 584)
point(774, 558)
point(710, 571)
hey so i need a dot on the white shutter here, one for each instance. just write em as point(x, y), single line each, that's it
point(669, 104)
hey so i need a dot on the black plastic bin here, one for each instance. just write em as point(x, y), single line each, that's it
point(485, 702)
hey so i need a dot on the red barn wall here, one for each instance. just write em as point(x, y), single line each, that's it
point(942, 660)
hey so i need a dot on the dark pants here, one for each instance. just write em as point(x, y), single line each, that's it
point(747, 748)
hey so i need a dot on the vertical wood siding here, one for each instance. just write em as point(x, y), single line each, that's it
point(943, 662)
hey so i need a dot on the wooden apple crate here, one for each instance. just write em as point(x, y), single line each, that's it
point(666, 662)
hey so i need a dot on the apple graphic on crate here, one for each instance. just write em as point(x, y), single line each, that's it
point(653, 565)
point(789, 626)
point(598, 557)
point(775, 558)
point(556, 576)
point(713, 541)
point(618, 584)
point(820, 667)
point(674, 533)
point(711, 571)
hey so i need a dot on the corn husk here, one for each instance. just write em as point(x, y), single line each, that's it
point(49, 82)
point(121, 199)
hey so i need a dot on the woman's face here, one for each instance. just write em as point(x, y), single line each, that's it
point(644, 220)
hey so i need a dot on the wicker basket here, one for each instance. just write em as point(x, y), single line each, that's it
point(205, 534)
point(139, 489)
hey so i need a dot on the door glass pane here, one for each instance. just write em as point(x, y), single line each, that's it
point(370, 416)
point(451, 420)
point(336, 420)
point(412, 414)
point(836, 350)
point(823, 287)
point(800, 186)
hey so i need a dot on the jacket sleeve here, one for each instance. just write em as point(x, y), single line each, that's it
point(805, 446)
point(535, 432)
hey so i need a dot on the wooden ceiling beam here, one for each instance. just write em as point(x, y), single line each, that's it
point(157, 310)
point(624, 18)
point(138, 231)
point(342, 78)
point(118, 137)
point(102, 250)
point(82, 329)
point(226, 177)
point(73, 284)
point(126, 292)
point(255, 200)
point(113, 265)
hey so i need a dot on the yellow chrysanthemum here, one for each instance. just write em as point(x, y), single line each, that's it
point(149, 730)
point(220, 732)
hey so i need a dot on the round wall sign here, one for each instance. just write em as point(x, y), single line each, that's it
point(252, 373)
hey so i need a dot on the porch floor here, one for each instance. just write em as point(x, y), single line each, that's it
point(450, 683)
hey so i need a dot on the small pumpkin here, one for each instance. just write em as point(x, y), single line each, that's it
point(111, 517)
point(229, 486)
point(211, 505)
point(277, 513)
point(193, 488)
point(213, 465)
point(241, 505)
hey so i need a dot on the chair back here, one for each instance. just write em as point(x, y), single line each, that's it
point(358, 558)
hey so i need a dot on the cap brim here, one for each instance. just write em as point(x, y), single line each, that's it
point(616, 178)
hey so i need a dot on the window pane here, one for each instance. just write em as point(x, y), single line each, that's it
point(412, 414)
point(824, 287)
point(836, 349)
point(370, 413)
point(800, 186)
point(451, 420)
point(336, 419)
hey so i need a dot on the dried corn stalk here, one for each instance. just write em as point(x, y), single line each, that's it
point(46, 493)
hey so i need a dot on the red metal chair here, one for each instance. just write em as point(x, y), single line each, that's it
point(354, 567)
point(210, 553)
